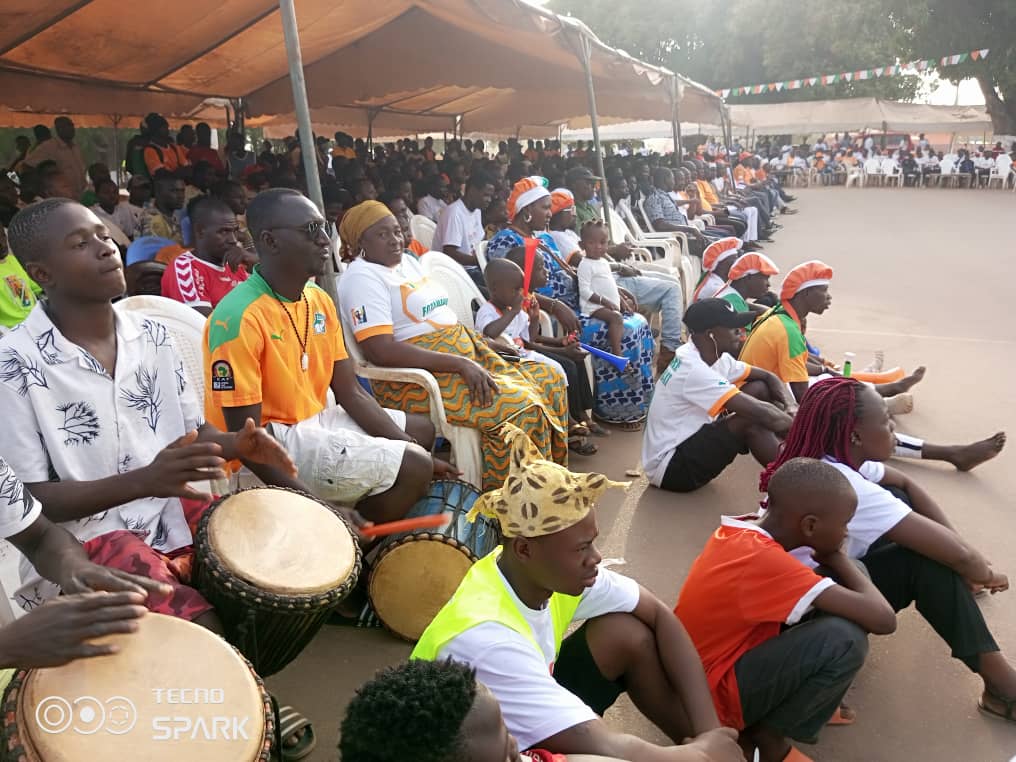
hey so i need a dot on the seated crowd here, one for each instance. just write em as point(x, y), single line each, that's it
point(108, 437)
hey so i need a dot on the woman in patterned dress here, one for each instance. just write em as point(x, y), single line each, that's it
point(401, 318)
point(621, 397)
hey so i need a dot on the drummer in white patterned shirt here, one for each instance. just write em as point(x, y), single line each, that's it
point(101, 423)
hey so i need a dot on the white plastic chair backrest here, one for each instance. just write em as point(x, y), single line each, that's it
point(947, 166)
point(629, 216)
point(619, 232)
point(645, 217)
point(186, 327)
point(481, 255)
point(462, 292)
point(873, 166)
point(889, 166)
point(422, 229)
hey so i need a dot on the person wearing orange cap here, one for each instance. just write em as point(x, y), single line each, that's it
point(748, 278)
point(777, 343)
point(716, 262)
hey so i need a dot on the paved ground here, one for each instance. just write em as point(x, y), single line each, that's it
point(924, 275)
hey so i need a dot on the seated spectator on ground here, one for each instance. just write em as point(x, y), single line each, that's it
point(508, 618)
point(509, 321)
point(460, 224)
point(687, 443)
point(777, 343)
point(274, 348)
point(107, 207)
point(777, 671)
point(201, 277)
point(162, 154)
point(18, 292)
point(202, 149)
point(436, 199)
point(65, 153)
point(748, 278)
point(899, 532)
point(717, 260)
point(162, 218)
point(401, 318)
point(621, 398)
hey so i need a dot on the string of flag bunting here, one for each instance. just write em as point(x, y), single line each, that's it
point(854, 76)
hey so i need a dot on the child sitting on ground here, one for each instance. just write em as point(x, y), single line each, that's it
point(509, 313)
point(599, 296)
point(774, 673)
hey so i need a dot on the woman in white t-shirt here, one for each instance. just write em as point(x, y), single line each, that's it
point(899, 532)
point(401, 318)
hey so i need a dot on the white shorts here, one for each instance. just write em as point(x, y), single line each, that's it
point(337, 459)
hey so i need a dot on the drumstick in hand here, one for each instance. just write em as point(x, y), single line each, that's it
point(405, 525)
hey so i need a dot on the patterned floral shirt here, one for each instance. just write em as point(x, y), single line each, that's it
point(18, 509)
point(66, 418)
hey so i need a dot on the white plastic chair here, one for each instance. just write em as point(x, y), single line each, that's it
point(892, 173)
point(465, 442)
point(481, 255)
point(855, 176)
point(1000, 173)
point(422, 229)
point(462, 291)
point(872, 171)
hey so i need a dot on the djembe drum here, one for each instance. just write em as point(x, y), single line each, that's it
point(415, 573)
point(274, 563)
point(173, 691)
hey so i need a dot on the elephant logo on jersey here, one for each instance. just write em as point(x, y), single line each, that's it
point(319, 322)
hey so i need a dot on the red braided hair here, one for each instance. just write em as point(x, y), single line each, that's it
point(821, 427)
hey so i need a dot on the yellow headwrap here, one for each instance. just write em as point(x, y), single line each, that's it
point(539, 497)
point(356, 221)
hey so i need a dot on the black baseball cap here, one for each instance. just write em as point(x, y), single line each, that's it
point(715, 313)
point(575, 174)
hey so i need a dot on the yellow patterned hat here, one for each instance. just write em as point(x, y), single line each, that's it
point(539, 497)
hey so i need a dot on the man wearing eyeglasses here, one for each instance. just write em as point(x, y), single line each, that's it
point(700, 420)
point(273, 349)
point(201, 277)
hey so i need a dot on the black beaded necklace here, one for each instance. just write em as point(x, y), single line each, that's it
point(304, 358)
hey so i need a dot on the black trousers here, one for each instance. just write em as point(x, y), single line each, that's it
point(940, 595)
point(580, 394)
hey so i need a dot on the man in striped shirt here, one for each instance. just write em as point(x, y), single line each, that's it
point(200, 278)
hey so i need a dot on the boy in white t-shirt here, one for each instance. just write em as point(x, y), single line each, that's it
point(690, 435)
point(509, 312)
point(599, 296)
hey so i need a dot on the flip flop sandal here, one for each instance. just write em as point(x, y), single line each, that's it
point(578, 430)
point(843, 715)
point(1009, 715)
point(631, 425)
point(290, 723)
point(580, 446)
point(796, 755)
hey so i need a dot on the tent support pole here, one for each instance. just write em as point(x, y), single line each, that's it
point(307, 147)
point(585, 56)
point(675, 118)
point(885, 129)
point(115, 118)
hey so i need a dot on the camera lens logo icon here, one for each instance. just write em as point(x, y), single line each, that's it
point(86, 715)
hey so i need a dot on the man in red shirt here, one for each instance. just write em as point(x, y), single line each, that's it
point(200, 278)
point(774, 672)
point(203, 151)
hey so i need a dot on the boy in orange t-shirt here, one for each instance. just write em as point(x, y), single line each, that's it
point(775, 672)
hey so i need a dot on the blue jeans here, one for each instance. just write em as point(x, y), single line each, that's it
point(659, 293)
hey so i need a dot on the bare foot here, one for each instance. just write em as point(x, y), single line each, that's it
point(908, 382)
point(972, 455)
point(900, 404)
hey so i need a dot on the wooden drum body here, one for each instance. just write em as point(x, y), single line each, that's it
point(174, 691)
point(274, 563)
point(415, 573)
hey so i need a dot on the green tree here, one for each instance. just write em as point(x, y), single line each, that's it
point(745, 42)
point(934, 28)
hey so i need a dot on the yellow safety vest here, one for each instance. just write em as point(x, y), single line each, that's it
point(482, 597)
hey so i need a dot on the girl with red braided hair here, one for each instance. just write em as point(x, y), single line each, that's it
point(912, 552)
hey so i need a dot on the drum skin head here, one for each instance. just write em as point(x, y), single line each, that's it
point(155, 700)
point(412, 580)
point(282, 542)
